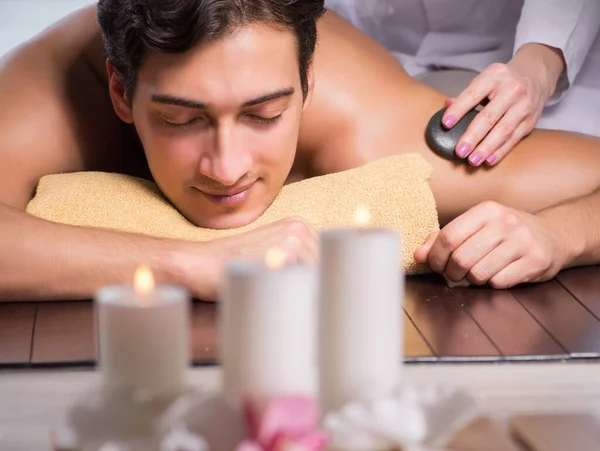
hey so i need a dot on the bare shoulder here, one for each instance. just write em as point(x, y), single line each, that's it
point(357, 82)
point(365, 107)
point(55, 113)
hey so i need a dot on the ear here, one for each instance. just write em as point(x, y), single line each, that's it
point(310, 78)
point(116, 89)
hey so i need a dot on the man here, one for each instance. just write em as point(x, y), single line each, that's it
point(227, 106)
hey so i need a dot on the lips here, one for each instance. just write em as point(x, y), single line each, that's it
point(229, 198)
point(232, 192)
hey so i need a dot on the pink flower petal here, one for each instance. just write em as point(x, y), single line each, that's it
point(290, 416)
point(284, 424)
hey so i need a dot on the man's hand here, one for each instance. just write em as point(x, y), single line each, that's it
point(495, 245)
point(294, 236)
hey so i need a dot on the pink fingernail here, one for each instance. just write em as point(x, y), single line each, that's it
point(491, 159)
point(449, 121)
point(476, 158)
point(463, 150)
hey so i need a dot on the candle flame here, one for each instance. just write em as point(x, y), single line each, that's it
point(143, 280)
point(362, 216)
point(275, 258)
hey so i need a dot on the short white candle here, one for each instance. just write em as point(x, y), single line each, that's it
point(268, 330)
point(361, 297)
point(144, 336)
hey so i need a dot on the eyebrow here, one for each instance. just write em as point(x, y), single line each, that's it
point(188, 103)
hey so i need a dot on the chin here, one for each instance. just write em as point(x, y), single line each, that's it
point(203, 213)
point(232, 220)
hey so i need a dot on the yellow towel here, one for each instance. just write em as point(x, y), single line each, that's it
point(395, 189)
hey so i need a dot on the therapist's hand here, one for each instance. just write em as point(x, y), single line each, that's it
point(517, 92)
point(496, 245)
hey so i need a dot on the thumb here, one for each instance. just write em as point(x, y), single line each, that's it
point(422, 251)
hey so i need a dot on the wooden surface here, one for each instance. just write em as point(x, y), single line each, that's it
point(16, 330)
point(558, 320)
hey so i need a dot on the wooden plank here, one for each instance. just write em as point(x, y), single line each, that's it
point(415, 346)
point(205, 333)
point(16, 330)
point(64, 333)
point(584, 284)
point(563, 317)
point(557, 432)
point(449, 330)
point(516, 333)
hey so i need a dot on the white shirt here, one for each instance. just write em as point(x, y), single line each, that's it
point(427, 35)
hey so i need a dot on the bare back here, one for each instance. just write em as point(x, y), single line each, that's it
point(56, 114)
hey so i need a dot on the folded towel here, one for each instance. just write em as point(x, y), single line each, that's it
point(395, 189)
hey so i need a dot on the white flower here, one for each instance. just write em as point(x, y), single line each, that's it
point(381, 424)
point(402, 419)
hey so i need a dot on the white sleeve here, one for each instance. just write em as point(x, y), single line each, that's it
point(568, 25)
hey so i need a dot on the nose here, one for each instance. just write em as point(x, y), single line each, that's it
point(227, 160)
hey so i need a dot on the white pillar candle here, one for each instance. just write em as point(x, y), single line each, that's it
point(268, 331)
point(144, 336)
point(361, 297)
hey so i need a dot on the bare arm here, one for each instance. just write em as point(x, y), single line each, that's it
point(46, 127)
point(40, 260)
point(577, 225)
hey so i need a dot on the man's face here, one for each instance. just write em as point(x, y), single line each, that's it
point(220, 124)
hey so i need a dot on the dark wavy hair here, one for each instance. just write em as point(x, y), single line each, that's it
point(130, 28)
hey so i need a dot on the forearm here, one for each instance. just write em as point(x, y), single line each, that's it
point(577, 227)
point(40, 260)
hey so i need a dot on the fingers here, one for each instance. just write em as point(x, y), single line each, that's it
point(422, 252)
point(497, 260)
point(312, 243)
point(510, 262)
point(308, 245)
point(503, 131)
point(454, 235)
point(520, 132)
point(299, 251)
point(449, 101)
point(479, 88)
point(492, 244)
point(296, 238)
point(510, 115)
point(519, 271)
point(473, 251)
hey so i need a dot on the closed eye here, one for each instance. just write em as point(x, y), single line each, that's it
point(184, 125)
point(263, 120)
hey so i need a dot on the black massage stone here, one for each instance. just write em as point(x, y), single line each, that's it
point(442, 140)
